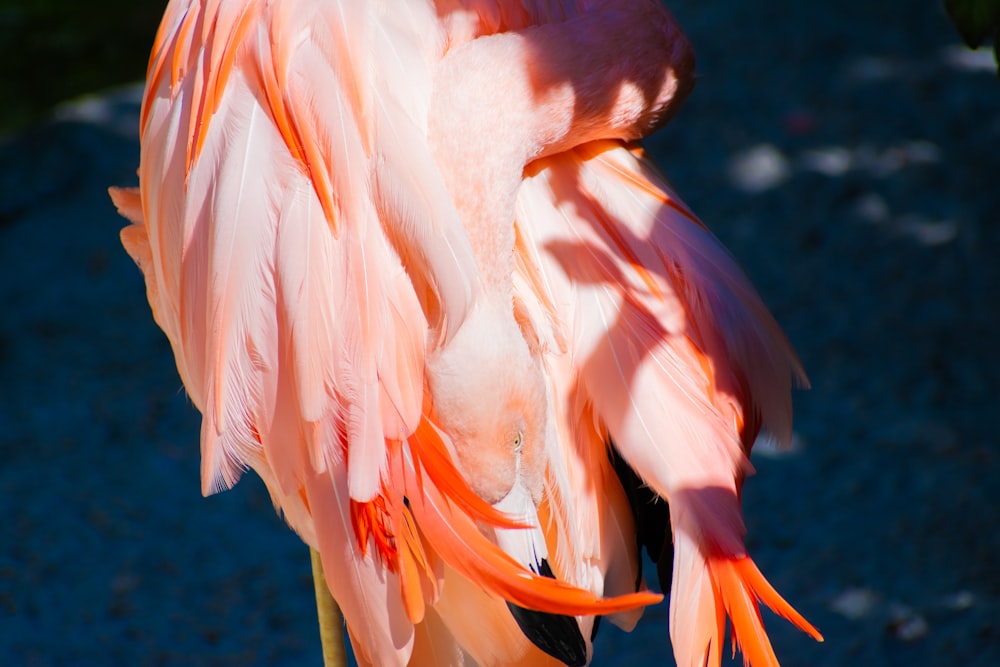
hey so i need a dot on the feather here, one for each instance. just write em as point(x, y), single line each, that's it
point(367, 593)
point(596, 544)
point(435, 644)
point(490, 636)
point(678, 357)
point(464, 548)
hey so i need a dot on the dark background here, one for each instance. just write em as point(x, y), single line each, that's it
point(54, 50)
point(847, 154)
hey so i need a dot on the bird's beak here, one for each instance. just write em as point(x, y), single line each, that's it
point(556, 634)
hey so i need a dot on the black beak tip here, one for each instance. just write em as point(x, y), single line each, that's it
point(557, 635)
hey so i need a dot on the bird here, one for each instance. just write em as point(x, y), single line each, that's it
point(418, 273)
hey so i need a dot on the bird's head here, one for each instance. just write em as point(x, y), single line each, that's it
point(489, 395)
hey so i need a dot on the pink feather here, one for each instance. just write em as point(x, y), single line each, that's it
point(679, 359)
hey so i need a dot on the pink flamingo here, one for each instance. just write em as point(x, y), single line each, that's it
point(415, 276)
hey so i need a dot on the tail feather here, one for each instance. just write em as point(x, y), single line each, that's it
point(697, 623)
point(739, 585)
point(709, 585)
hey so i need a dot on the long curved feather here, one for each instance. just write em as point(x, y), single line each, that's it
point(681, 362)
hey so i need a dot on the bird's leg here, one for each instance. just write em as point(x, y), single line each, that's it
point(331, 621)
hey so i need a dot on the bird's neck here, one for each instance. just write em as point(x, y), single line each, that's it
point(487, 212)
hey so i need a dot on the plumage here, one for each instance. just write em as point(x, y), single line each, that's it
point(675, 355)
point(416, 277)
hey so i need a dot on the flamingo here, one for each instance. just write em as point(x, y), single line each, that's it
point(418, 274)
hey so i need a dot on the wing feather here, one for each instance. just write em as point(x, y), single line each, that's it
point(656, 302)
point(297, 297)
point(681, 363)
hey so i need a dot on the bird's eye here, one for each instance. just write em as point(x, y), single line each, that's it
point(518, 442)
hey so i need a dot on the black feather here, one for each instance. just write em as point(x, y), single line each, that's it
point(652, 520)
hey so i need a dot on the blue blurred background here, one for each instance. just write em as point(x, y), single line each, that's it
point(847, 153)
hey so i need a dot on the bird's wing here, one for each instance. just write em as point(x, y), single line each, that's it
point(295, 213)
point(301, 253)
point(587, 514)
point(300, 250)
point(678, 359)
